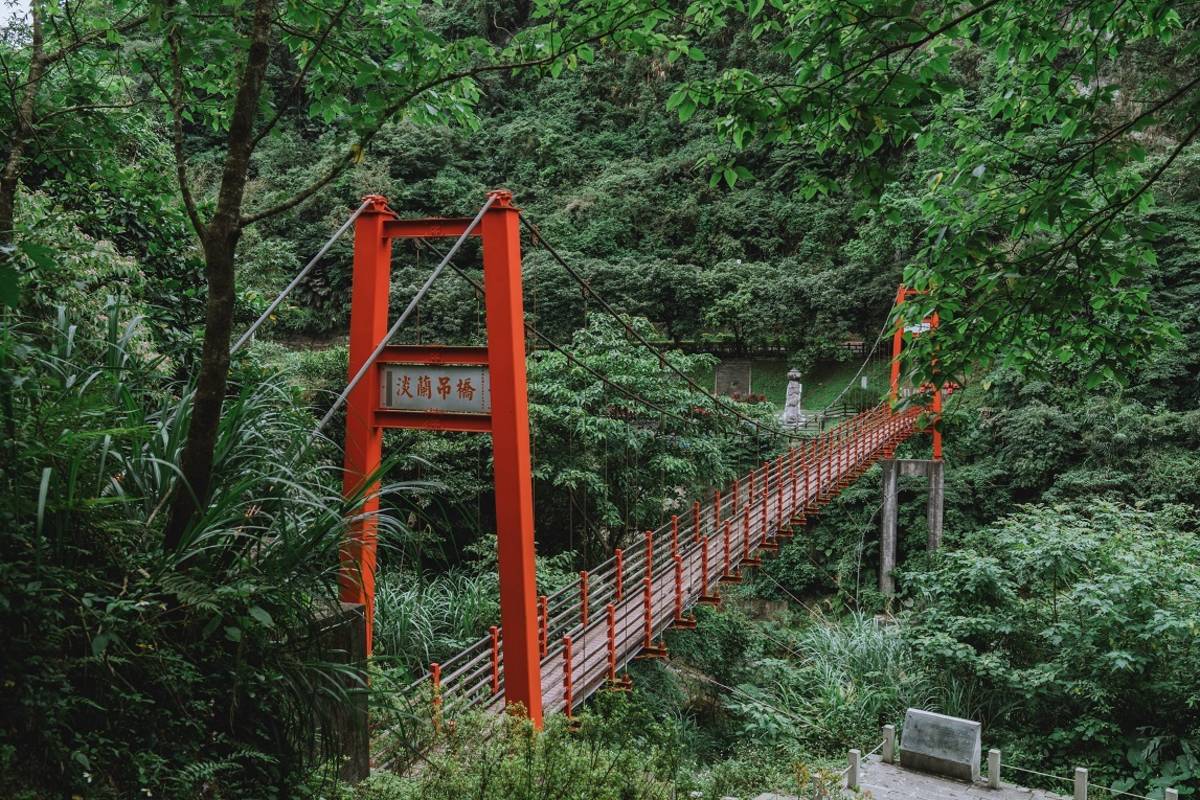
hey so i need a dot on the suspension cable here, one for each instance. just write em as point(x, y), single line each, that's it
point(717, 403)
point(245, 337)
point(370, 360)
point(867, 360)
point(572, 359)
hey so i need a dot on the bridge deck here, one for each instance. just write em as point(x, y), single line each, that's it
point(624, 606)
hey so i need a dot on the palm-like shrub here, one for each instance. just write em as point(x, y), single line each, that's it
point(202, 671)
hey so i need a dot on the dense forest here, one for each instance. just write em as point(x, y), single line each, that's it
point(740, 180)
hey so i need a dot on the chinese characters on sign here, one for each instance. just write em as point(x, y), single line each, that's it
point(428, 387)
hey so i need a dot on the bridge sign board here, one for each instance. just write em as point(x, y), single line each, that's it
point(421, 387)
point(435, 387)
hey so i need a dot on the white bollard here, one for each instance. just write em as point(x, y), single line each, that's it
point(994, 768)
point(852, 773)
point(888, 754)
point(1171, 794)
point(1080, 783)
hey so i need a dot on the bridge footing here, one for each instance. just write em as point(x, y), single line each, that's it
point(893, 468)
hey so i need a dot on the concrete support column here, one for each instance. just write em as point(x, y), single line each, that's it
point(937, 493)
point(887, 530)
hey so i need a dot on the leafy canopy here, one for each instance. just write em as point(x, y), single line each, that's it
point(1035, 251)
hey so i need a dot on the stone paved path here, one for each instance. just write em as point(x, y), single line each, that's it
point(890, 782)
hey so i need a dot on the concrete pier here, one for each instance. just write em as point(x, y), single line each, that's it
point(935, 471)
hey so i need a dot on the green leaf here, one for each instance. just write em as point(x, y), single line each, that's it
point(10, 286)
point(100, 644)
point(261, 615)
point(40, 255)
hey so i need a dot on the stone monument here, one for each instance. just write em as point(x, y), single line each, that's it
point(792, 415)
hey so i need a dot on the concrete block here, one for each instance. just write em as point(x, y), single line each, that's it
point(940, 744)
point(888, 754)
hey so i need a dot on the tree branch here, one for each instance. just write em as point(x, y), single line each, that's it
point(312, 57)
point(355, 150)
point(175, 100)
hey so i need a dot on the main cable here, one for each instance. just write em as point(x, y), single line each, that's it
point(717, 403)
point(546, 340)
point(296, 280)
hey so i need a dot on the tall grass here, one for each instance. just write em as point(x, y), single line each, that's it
point(844, 677)
point(421, 618)
point(133, 670)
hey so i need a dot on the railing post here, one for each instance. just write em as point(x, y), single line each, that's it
point(620, 555)
point(888, 753)
point(805, 464)
point(994, 768)
point(746, 538)
point(1081, 783)
point(650, 555)
point(544, 627)
point(568, 677)
point(610, 612)
point(792, 506)
point(674, 534)
point(710, 599)
point(726, 573)
point(779, 481)
point(495, 633)
point(717, 507)
point(852, 772)
point(765, 512)
point(736, 506)
point(435, 677)
point(648, 584)
point(583, 598)
point(678, 590)
point(696, 520)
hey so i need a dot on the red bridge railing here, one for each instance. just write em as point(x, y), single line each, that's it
point(592, 628)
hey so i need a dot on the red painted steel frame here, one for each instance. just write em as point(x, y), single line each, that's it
point(508, 424)
point(902, 294)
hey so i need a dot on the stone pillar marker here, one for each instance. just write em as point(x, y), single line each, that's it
point(792, 414)
point(994, 768)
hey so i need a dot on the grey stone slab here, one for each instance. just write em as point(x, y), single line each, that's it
point(940, 744)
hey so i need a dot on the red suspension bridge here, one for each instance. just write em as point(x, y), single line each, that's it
point(552, 652)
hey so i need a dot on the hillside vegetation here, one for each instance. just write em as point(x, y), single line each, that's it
point(742, 178)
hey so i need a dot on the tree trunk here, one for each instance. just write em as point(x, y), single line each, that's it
point(220, 238)
point(23, 130)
